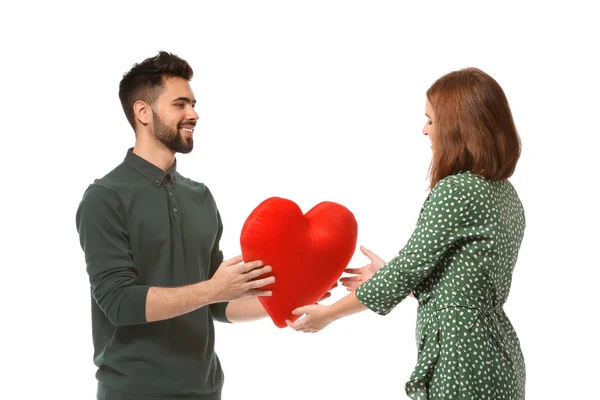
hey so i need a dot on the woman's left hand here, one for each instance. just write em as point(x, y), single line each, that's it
point(317, 317)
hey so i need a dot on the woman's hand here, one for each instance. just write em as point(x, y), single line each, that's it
point(317, 317)
point(364, 273)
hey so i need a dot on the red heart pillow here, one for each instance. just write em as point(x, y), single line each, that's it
point(308, 253)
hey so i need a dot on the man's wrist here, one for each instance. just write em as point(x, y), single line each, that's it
point(208, 292)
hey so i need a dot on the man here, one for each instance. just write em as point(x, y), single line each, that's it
point(151, 243)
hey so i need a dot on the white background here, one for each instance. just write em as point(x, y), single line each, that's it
point(312, 101)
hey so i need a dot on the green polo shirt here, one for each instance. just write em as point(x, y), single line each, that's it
point(140, 227)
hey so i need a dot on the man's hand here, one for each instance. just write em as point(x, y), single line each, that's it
point(235, 280)
point(328, 294)
point(363, 273)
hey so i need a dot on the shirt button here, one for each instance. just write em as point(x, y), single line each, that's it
point(175, 209)
point(157, 181)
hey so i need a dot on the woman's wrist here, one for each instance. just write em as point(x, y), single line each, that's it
point(346, 306)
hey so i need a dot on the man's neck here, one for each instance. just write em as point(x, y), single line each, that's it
point(159, 155)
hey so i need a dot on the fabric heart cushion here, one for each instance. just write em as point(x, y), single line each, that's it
point(307, 252)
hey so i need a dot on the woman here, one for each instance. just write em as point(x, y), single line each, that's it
point(459, 261)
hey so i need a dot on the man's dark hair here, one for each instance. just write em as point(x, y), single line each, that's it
point(145, 80)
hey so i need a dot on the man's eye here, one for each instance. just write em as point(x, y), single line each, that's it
point(180, 105)
point(429, 122)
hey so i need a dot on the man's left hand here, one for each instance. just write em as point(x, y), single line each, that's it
point(328, 294)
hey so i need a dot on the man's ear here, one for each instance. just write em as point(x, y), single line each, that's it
point(142, 112)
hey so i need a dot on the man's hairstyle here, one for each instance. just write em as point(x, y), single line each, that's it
point(474, 128)
point(145, 81)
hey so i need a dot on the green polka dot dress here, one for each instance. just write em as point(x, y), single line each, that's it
point(459, 263)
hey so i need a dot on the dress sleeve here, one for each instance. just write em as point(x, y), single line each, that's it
point(438, 229)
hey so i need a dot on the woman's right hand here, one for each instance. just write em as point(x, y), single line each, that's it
point(364, 273)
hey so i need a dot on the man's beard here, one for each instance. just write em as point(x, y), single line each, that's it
point(174, 140)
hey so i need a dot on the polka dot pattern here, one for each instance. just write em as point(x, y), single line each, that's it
point(459, 263)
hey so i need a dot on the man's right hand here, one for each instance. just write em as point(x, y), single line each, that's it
point(235, 280)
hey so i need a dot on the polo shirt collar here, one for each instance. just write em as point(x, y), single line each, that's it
point(150, 171)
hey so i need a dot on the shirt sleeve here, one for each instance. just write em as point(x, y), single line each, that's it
point(112, 272)
point(216, 258)
point(438, 230)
